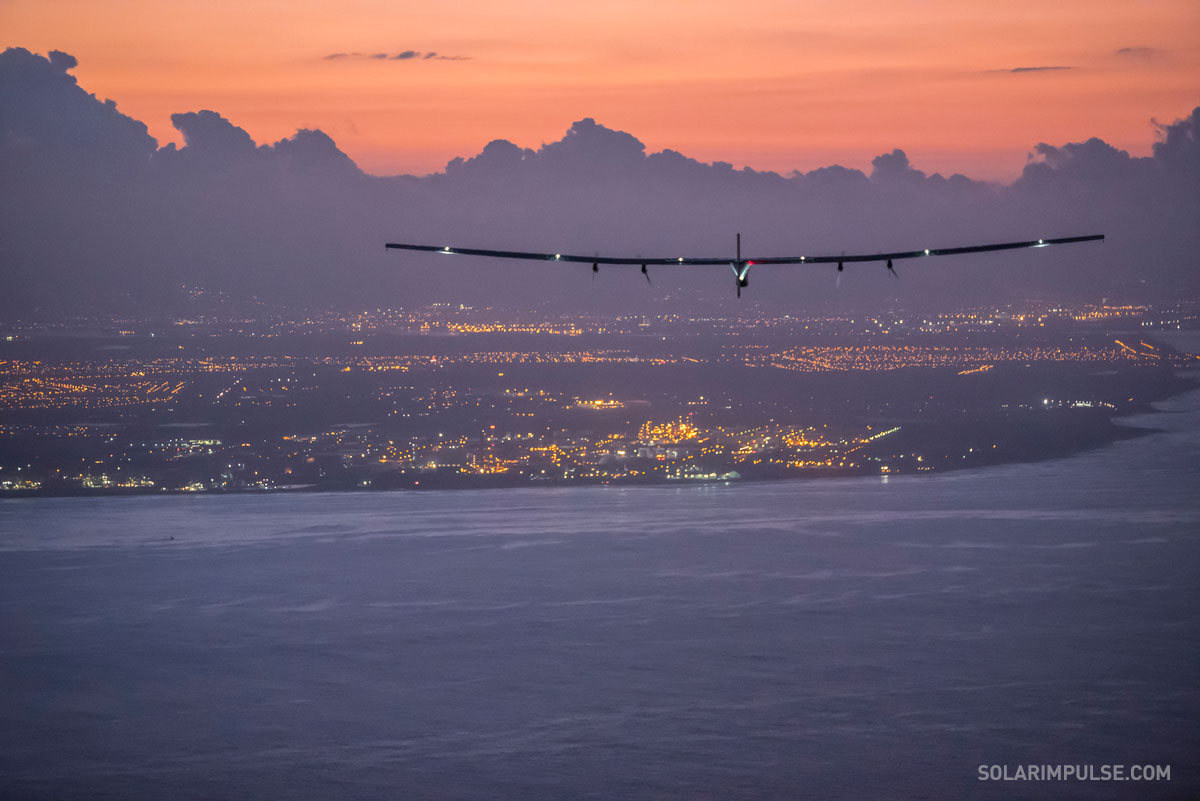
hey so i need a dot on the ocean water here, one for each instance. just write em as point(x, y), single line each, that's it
point(859, 638)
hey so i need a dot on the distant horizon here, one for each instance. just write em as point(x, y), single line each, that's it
point(405, 88)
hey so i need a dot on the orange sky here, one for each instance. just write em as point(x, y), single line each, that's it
point(765, 83)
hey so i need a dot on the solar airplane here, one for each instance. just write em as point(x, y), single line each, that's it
point(741, 267)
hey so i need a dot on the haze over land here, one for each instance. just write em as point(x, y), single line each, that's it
point(94, 212)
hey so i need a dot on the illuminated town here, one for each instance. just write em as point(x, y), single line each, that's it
point(451, 396)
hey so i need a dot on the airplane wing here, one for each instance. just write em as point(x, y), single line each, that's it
point(685, 260)
point(741, 267)
point(920, 254)
point(520, 254)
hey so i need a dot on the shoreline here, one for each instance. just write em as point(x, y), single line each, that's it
point(1115, 429)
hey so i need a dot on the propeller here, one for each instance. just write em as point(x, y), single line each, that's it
point(891, 270)
point(647, 274)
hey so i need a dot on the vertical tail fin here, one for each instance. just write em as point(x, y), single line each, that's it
point(739, 247)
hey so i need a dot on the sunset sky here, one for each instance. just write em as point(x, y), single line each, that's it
point(961, 86)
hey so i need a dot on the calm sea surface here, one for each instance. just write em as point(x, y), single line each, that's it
point(853, 638)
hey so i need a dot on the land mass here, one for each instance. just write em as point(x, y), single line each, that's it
point(254, 400)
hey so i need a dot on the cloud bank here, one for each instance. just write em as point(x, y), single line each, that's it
point(93, 211)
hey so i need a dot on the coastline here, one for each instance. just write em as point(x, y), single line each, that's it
point(1141, 420)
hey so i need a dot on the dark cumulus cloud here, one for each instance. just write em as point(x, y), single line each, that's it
point(1139, 52)
point(92, 209)
point(63, 61)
